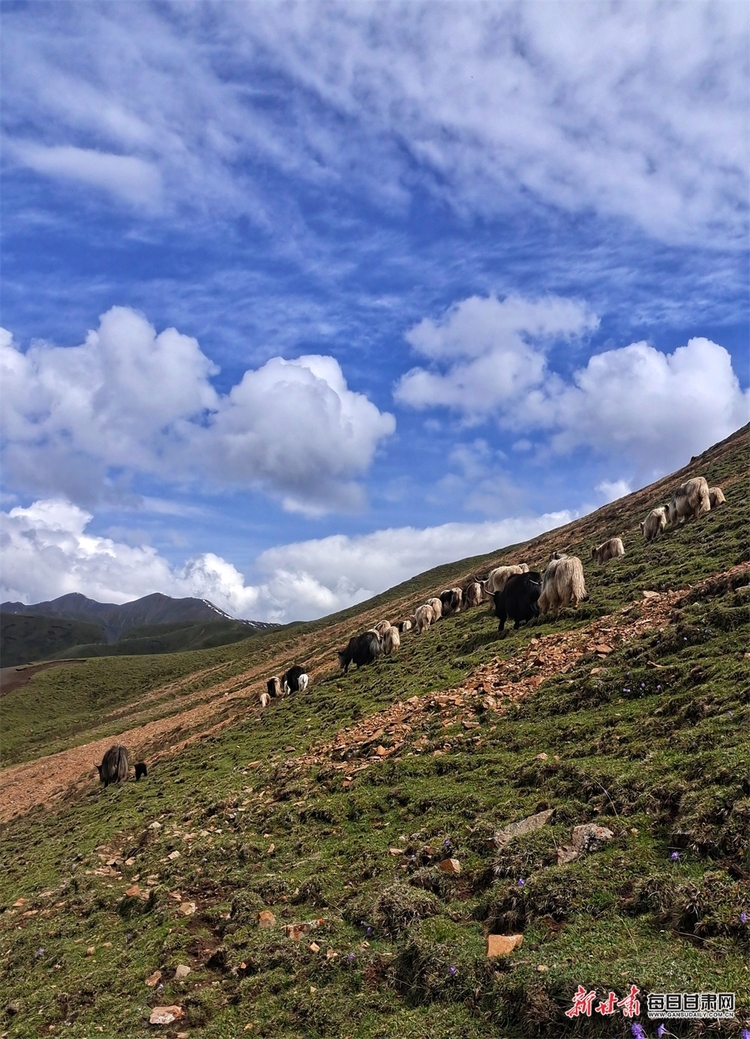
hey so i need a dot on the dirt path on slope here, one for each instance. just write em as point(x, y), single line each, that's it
point(45, 781)
point(491, 687)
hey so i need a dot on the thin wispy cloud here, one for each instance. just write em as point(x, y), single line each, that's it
point(637, 111)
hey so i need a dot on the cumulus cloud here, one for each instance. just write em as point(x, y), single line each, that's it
point(656, 409)
point(76, 420)
point(651, 405)
point(495, 351)
point(48, 552)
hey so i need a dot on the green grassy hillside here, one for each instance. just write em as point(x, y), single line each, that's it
point(167, 638)
point(336, 810)
point(24, 637)
point(27, 638)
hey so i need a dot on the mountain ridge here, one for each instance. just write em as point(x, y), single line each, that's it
point(76, 625)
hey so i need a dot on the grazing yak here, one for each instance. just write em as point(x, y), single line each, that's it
point(654, 523)
point(437, 607)
point(450, 601)
point(716, 496)
point(563, 584)
point(295, 680)
point(423, 618)
point(382, 627)
point(405, 626)
point(361, 649)
point(518, 601)
point(608, 550)
point(473, 593)
point(114, 766)
point(690, 501)
point(141, 769)
point(391, 641)
point(273, 687)
point(497, 578)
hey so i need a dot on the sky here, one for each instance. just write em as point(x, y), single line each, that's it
point(302, 299)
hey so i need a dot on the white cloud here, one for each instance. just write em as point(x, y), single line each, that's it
point(133, 179)
point(77, 420)
point(611, 490)
point(495, 351)
point(657, 409)
point(629, 110)
point(47, 552)
point(653, 410)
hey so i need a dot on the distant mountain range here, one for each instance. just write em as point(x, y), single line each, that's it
point(74, 625)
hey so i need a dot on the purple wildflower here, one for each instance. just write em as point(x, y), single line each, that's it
point(521, 882)
point(351, 957)
point(637, 1031)
point(745, 1033)
point(453, 970)
point(661, 1031)
point(369, 930)
point(675, 856)
point(743, 918)
point(40, 952)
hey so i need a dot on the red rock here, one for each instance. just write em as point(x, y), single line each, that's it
point(502, 944)
point(165, 1015)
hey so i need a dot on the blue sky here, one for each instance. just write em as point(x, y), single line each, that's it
point(302, 299)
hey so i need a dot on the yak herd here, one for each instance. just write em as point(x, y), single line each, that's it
point(517, 593)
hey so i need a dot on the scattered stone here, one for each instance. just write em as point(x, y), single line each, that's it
point(133, 891)
point(314, 947)
point(181, 972)
point(502, 944)
point(450, 866)
point(589, 837)
point(542, 756)
point(266, 918)
point(153, 979)
point(566, 854)
point(20, 902)
point(527, 825)
point(173, 855)
point(154, 826)
point(188, 908)
point(651, 595)
point(295, 931)
point(165, 1015)
point(397, 851)
point(603, 649)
